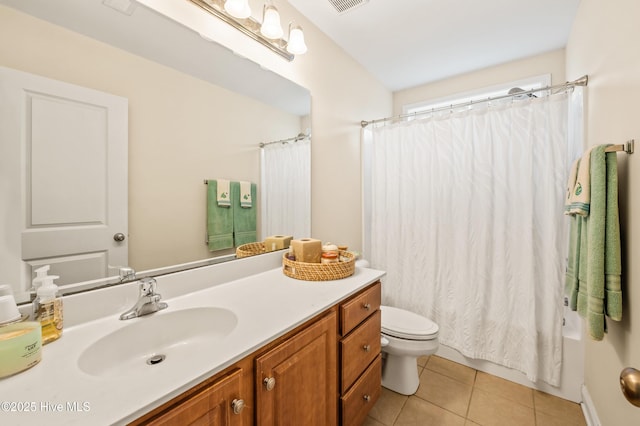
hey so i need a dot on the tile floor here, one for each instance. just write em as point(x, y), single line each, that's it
point(451, 394)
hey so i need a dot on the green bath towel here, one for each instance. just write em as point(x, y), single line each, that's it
point(219, 220)
point(600, 255)
point(613, 255)
point(244, 219)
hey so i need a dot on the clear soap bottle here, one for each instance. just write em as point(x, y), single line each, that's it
point(48, 309)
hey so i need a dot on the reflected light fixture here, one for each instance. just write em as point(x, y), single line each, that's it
point(238, 8)
point(269, 33)
point(271, 27)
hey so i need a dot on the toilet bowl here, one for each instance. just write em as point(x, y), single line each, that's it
point(409, 336)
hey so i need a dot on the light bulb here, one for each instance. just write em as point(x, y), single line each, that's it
point(238, 8)
point(296, 44)
point(271, 27)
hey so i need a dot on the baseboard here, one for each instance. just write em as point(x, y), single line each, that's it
point(588, 409)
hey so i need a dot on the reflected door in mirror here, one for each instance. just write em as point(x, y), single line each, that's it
point(72, 190)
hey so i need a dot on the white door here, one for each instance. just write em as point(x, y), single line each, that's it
point(63, 179)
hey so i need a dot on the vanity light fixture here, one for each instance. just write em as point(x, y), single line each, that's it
point(269, 33)
point(296, 45)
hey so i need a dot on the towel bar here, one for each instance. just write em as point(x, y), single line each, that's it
point(625, 147)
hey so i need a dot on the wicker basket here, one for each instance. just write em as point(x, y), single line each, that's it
point(250, 249)
point(320, 271)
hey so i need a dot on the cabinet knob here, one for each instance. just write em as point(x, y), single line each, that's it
point(366, 397)
point(366, 306)
point(366, 348)
point(237, 405)
point(269, 383)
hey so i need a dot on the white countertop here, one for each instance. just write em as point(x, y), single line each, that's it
point(267, 304)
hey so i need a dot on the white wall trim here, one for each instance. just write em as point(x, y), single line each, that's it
point(588, 409)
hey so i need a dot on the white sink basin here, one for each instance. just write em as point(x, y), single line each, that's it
point(140, 346)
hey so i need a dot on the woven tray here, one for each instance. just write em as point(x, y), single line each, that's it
point(250, 249)
point(320, 271)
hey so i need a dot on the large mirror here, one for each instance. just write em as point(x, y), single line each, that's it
point(196, 111)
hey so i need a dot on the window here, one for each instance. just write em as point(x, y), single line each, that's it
point(477, 95)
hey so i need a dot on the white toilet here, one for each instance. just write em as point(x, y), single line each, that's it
point(409, 336)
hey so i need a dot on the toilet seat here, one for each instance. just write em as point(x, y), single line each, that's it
point(407, 325)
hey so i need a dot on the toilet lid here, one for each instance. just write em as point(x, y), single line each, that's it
point(407, 325)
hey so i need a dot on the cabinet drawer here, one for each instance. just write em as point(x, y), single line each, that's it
point(360, 307)
point(359, 349)
point(357, 403)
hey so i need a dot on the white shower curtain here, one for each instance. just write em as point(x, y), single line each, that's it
point(465, 213)
point(286, 189)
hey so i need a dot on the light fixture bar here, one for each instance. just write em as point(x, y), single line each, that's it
point(249, 26)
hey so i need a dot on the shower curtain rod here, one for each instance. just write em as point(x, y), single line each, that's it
point(582, 81)
point(301, 136)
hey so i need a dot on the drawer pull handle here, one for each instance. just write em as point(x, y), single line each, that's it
point(366, 398)
point(269, 383)
point(366, 306)
point(237, 405)
point(366, 348)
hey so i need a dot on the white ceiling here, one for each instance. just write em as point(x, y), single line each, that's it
point(405, 43)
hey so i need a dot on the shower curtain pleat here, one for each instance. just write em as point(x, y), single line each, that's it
point(467, 219)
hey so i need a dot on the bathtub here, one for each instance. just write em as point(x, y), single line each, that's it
point(572, 375)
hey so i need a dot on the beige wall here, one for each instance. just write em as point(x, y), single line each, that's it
point(546, 63)
point(342, 94)
point(604, 43)
point(182, 130)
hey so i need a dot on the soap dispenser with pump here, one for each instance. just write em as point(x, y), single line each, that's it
point(41, 273)
point(48, 307)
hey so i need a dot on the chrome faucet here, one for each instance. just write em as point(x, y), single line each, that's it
point(126, 273)
point(148, 300)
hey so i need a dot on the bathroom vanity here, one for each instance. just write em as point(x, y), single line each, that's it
point(244, 344)
point(295, 379)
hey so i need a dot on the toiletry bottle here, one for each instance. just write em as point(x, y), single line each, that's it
point(40, 274)
point(48, 309)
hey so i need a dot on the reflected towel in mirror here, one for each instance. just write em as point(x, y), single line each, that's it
point(223, 193)
point(245, 195)
point(244, 219)
point(219, 221)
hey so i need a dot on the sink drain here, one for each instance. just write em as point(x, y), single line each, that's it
point(156, 359)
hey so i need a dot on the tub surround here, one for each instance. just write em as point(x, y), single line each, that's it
point(267, 305)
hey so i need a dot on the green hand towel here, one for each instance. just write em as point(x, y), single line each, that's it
point(219, 220)
point(244, 219)
point(573, 265)
point(582, 266)
point(612, 252)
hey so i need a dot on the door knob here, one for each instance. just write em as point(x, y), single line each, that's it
point(119, 237)
point(630, 385)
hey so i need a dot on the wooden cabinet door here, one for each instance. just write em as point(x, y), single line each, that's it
point(213, 406)
point(296, 382)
